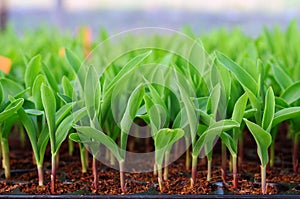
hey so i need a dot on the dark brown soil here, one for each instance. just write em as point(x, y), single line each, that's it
point(70, 180)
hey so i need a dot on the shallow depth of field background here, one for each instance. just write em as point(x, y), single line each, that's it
point(120, 15)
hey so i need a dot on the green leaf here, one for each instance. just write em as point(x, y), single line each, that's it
point(31, 131)
point(156, 114)
point(214, 101)
point(11, 110)
point(285, 114)
point(75, 137)
point(210, 134)
point(42, 143)
point(281, 77)
point(66, 124)
point(73, 60)
point(164, 140)
point(36, 91)
point(32, 70)
point(63, 112)
point(49, 104)
point(51, 80)
point(100, 137)
point(64, 98)
point(186, 96)
point(91, 96)
point(269, 110)
point(292, 93)
point(250, 113)
point(34, 112)
point(127, 68)
point(239, 108)
point(133, 105)
point(67, 87)
point(240, 73)
point(229, 142)
point(263, 140)
point(10, 88)
point(7, 125)
point(280, 103)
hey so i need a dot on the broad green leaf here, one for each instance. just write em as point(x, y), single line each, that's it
point(51, 79)
point(9, 87)
point(42, 143)
point(206, 119)
point(36, 91)
point(133, 104)
point(127, 68)
point(75, 137)
point(91, 95)
point(292, 93)
point(200, 103)
point(73, 60)
point(263, 140)
point(250, 113)
point(156, 114)
point(186, 96)
point(240, 73)
point(285, 114)
point(181, 120)
point(34, 112)
point(280, 103)
point(66, 99)
point(32, 70)
point(166, 137)
point(131, 65)
point(269, 110)
point(210, 134)
point(11, 110)
point(201, 129)
point(31, 131)
point(164, 140)
point(63, 112)
point(100, 137)
point(229, 142)
point(281, 77)
point(67, 87)
point(66, 124)
point(49, 104)
point(214, 101)
point(7, 125)
point(239, 108)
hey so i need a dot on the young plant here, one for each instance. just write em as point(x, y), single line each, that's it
point(59, 122)
point(163, 137)
point(231, 140)
point(8, 116)
point(262, 135)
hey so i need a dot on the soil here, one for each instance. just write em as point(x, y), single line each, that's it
point(70, 179)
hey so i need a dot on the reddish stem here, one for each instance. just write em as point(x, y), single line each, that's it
point(95, 173)
point(53, 173)
point(40, 175)
point(122, 177)
point(194, 170)
point(234, 171)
